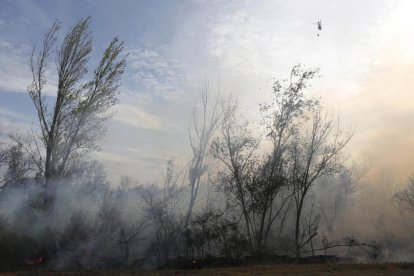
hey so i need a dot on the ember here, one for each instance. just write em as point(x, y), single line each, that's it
point(197, 263)
point(30, 262)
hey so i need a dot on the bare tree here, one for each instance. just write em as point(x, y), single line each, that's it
point(301, 158)
point(3, 162)
point(405, 197)
point(129, 234)
point(335, 194)
point(162, 209)
point(313, 155)
point(118, 232)
point(200, 133)
point(284, 116)
point(252, 184)
point(3, 154)
point(17, 164)
point(263, 186)
point(235, 149)
point(74, 123)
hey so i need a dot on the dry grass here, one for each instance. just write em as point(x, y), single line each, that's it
point(398, 269)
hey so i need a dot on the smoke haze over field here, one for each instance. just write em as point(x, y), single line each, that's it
point(365, 53)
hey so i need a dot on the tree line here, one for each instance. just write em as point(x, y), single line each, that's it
point(66, 213)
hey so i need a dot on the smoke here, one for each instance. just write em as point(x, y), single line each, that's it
point(96, 224)
point(83, 225)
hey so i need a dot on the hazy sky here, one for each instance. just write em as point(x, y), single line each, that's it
point(365, 53)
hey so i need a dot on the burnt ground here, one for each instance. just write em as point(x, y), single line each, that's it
point(214, 262)
point(329, 269)
point(263, 265)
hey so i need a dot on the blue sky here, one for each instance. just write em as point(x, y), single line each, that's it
point(365, 52)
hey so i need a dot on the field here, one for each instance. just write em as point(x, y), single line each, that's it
point(398, 269)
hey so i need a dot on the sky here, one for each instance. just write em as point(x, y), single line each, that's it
point(365, 53)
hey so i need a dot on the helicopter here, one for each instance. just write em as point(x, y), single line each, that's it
point(319, 25)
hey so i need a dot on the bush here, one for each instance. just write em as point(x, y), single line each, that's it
point(211, 234)
point(14, 248)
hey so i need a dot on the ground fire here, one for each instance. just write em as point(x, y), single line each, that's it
point(32, 262)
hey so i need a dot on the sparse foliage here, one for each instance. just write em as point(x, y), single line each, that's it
point(162, 210)
point(200, 133)
point(334, 194)
point(313, 155)
point(210, 233)
point(252, 185)
point(17, 166)
point(405, 197)
point(306, 142)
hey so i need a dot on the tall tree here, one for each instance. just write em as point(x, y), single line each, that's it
point(253, 184)
point(201, 131)
point(236, 148)
point(313, 154)
point(264, 186)
point(301, 157)
point(72, 126)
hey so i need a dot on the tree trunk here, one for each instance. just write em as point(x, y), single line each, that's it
point(297, 227)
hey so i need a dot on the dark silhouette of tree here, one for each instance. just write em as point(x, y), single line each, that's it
point(300, 155)
point(3, 162)
point(304, 145)
point(210, 233)
point(313, 154)
point(405, 197)
point(162, 208)
point(18, 166)
point(252, 184)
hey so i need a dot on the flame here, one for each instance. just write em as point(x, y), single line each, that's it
point(30, 262)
